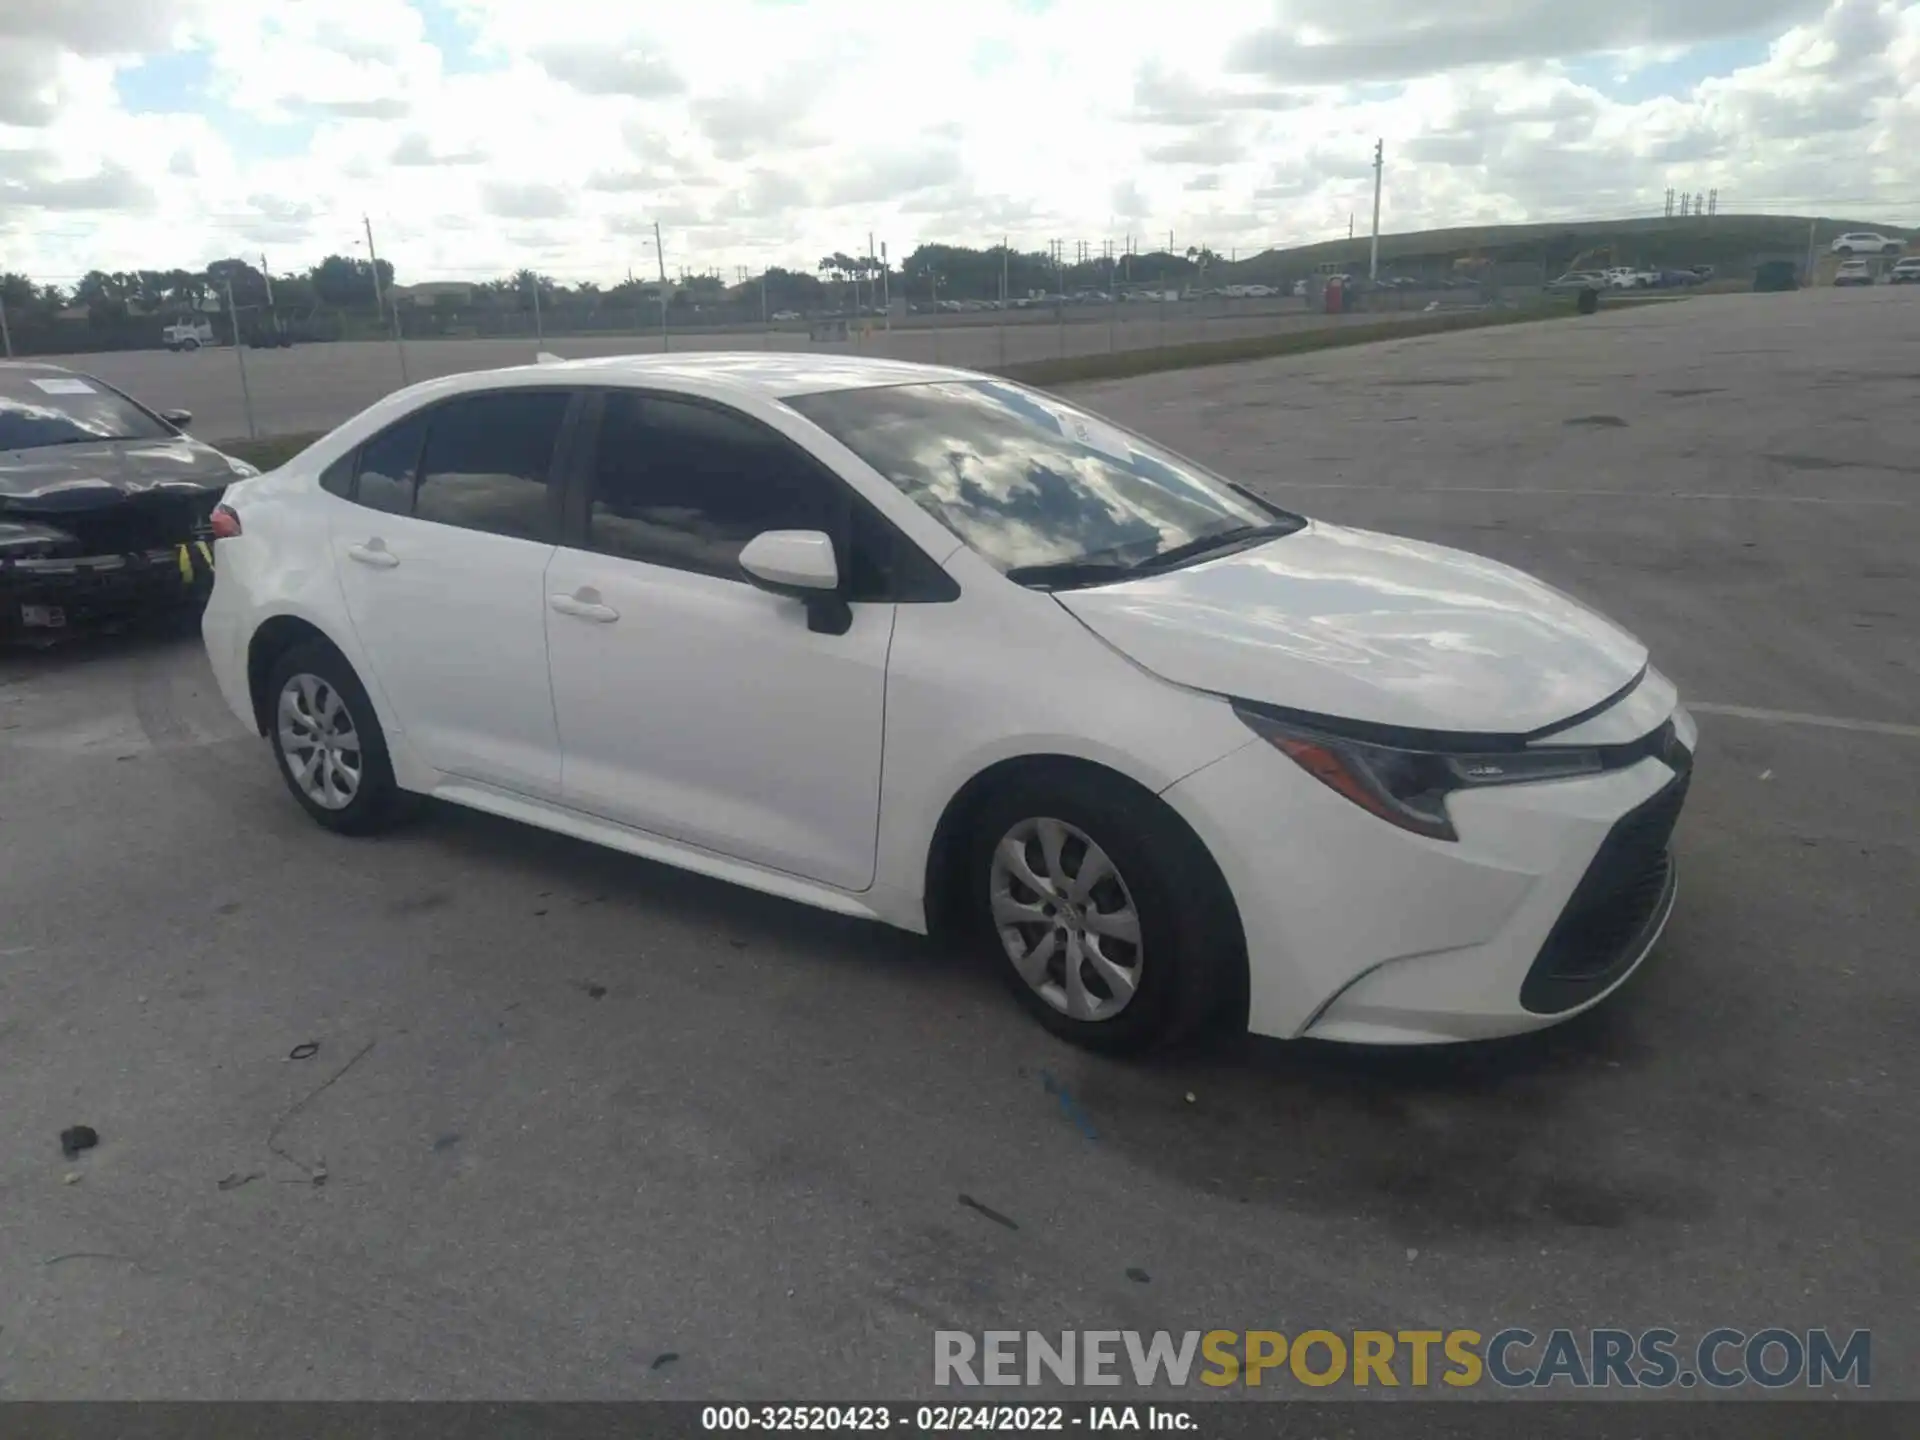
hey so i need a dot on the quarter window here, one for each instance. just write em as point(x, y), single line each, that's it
point(389, 463)
point(487, 462)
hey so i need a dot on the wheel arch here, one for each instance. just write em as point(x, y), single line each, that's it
point(942, 884)
point(275, 637)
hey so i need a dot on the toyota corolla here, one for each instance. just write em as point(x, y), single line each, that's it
point(931, 648)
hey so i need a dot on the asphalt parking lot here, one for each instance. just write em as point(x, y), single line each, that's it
point(592, 1128)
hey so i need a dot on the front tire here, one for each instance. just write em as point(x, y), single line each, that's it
point(328, 743)
point(1103, 913)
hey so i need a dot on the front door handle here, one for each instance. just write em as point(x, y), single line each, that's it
point(584, 606)
point(373, 553)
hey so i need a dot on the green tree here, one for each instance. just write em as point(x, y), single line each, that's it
point(347, 282)
point(248, 284)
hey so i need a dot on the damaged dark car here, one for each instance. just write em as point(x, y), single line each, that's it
point(105, 506)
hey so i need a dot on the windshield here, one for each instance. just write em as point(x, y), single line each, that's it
point(1031, 483)
point(37, 410)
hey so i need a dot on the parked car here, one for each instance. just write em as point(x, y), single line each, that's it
point(1853, 272)
point(1578, 280)
point(785, 315)
point(1866, 242)
point(1907, 272)
point(105, 505)
point(1167, 751)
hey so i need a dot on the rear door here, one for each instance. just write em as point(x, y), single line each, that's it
point(442, 563)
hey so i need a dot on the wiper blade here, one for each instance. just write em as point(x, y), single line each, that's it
point(1238, 538)
point(1070, 574)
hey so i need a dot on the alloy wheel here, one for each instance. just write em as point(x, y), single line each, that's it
point(320, 742)
point(1066, 919)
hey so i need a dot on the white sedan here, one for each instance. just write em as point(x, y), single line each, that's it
point(924, 646)
point(1866, 242)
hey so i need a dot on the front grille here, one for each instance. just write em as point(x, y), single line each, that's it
point(1614, 909)
point(137, 524)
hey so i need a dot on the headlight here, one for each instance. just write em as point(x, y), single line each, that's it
point(1409, 788)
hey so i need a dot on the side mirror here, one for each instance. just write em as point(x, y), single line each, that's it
point(800, 564)
point(179, 419)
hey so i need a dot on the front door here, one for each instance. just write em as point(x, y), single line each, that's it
point(691, 704)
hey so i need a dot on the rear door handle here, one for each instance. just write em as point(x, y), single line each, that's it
point(583, 608)
point(373, 553)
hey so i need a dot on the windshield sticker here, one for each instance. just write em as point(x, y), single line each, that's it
point(65, 387)
point(1095, 436)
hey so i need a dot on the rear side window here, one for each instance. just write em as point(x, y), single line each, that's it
point(388, 465)
point(487, 462)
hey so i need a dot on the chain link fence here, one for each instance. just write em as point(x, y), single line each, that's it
point(300, 384)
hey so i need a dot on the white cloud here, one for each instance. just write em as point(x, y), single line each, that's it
point(757, 132)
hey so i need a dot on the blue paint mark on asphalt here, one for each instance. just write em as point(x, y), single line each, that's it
point(1068, 1105)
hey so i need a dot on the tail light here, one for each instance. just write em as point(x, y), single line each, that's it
point(225, 522)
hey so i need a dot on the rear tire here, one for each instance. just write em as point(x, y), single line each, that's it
point(1103, 913)
point(328, 744)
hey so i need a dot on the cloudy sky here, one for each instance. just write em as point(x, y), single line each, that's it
point(481, 135)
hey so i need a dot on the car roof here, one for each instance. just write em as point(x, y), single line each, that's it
point(769, 374)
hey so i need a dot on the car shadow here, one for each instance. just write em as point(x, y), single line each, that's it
point(1507, 1136)
point(23, 659)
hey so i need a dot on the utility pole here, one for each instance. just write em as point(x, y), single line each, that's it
point(240, 356)
point(1813, 229)
point(539, 331)
point(886, 287)
point(660, 254)
point(379, 301)
point(1003, 299)
point(266, 275)
point(6, 335)
point(1379, 170)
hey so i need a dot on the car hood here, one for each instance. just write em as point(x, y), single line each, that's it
point(51, 478)
point(1370, 627)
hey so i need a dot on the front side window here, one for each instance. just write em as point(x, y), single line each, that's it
point(487, 461)
point(688, 485)
point(1043, 491)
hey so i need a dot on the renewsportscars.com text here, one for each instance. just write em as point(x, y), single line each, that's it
point(1512, 1358)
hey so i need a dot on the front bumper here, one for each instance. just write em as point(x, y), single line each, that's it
point(1358, 931)
point(49, 598)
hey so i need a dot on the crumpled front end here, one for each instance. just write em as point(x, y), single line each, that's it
point(104, 566)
